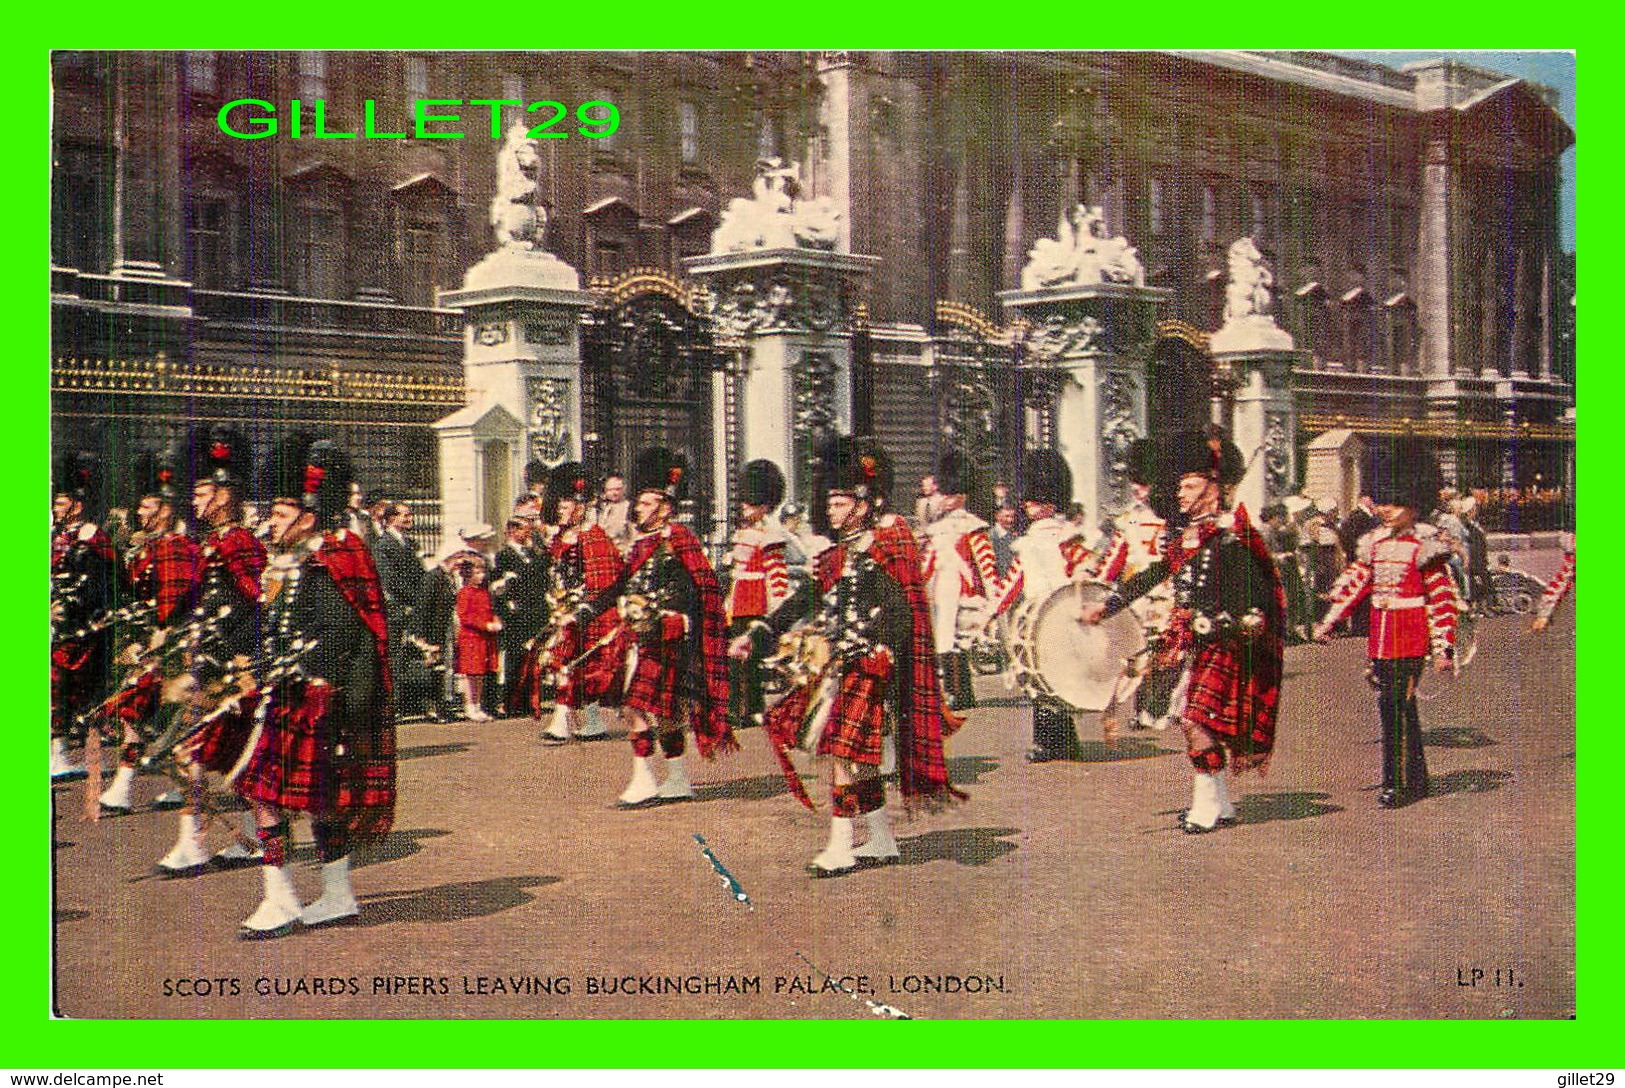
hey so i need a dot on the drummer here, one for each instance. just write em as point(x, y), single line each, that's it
point(1047, 556)
point(1226, 625)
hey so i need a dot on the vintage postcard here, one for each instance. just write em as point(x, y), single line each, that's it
point(812, 535)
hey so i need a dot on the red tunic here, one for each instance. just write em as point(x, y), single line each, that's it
point(1413, 599)
point(476, 643)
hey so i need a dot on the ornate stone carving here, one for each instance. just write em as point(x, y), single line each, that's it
point(1059, 334)
point(1119, 423)
point(774, 216)
point(549, 420)
point(765, 300)
point(1248, 325)
point(1081, 253)
point(491, 333)
point(815, 393)
point(1277, 454)
point(547, 332)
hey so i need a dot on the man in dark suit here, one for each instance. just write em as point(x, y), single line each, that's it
point(519, 590)
point(400, 573)
point(1360, 521)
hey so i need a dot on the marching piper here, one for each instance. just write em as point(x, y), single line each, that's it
point(1226, 625)
point(1403, 568)
point(227, 619)
point(673, 640)
point(583, 562)
point(760, 558)
point(862, 633)
point(315, 734)
point(84, 586)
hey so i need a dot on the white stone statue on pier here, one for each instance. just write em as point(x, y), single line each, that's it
point(515, 215)
point(1248, 325)
point(1081, 253)
point(520, 223)
point(774, 216)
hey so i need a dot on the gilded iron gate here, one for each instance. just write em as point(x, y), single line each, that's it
point(648, 357)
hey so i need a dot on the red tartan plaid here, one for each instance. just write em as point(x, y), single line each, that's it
point(172, 571)
point(922, 770)
point(857, 722)
point(597, 678)
point(76, 681)
point(135, 704)
point(241, 554)
point(708, 667)
point(218, 745)
point(1235, 684)
point(653, 686)
point(295, 764)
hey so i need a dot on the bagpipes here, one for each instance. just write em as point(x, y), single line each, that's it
point(639, 599)
point(242, 679)
point(150, 662)
point(63, 598)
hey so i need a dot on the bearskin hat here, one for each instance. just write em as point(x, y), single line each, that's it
point(226, 459)
point(537, 473)
point(163, 474)
point(1049, 480)
point(870, 447)
point(761, 483)
point(1203, 453)
point(663, 470)
point(953, 474)
point(78, 475)
point(566, 481)
point(1142, 462)
point(315, 475)
point(1401, 472)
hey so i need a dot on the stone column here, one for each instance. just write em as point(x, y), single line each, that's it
point(522, 372)
point(791, 310)
point(1095, 341)
point(1433, 253)
point(1264, 423)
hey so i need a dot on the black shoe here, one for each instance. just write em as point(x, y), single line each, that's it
point(819, 873)
point(876, 863)
point(1044, 755)
point(115, 810)
point(1398, 798)
point(1197, 829)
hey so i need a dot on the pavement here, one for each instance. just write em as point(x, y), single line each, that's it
point(512, 888)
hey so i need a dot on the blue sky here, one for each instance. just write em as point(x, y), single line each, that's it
point(1555, 69)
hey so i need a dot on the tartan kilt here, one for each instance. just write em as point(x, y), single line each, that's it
point(857, 723)
point(598, 679)
point(296, 765)
point(1233, 691)
point(78, 678)
point(652, 687)
point(218, 745)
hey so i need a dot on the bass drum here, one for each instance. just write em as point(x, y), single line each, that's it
point(1055, 655)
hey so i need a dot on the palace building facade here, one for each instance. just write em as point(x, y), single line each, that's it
point(1409, 218)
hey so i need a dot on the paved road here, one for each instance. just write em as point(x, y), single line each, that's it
point(510, 888)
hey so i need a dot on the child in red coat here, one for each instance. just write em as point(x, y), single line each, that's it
point(477, 627)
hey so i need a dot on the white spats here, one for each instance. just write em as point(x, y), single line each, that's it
point(117, 796)
point(558, 730)
point(881, 846)
point(837, 856)
point(188, 853)
point(1204, 810)
point(337, 900)
point(677, 787)
point(277, 912)
point(61, 765)
point(643, 786)
point(1227, 807)
point(590, 723)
